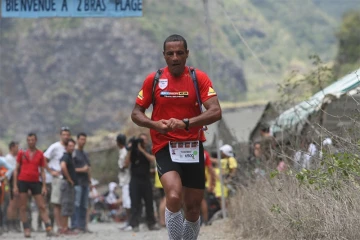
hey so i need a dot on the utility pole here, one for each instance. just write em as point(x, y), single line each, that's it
point(208, 28)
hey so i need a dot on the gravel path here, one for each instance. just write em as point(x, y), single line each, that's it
point(110, 231)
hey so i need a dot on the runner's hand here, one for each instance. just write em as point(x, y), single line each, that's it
point(44, 191)
point(174, 123)
point(2, 178)
point(162, 127)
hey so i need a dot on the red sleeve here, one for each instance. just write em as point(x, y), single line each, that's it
point(144, 98)
point(42, 160)
point(207, 159)
point(205, 86)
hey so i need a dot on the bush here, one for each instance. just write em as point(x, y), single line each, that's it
point(320, 203)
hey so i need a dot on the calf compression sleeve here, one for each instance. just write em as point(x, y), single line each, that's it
point(174, 224)
point(191, 230)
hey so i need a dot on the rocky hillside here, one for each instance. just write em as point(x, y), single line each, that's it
point(85, 73)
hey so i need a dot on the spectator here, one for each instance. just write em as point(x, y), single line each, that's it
point(140, 184)
point(26, 178)
point(209, 184)
point(53, 155)
point(12, 209)
point(228, 166)
point(124, 179)
point(5, 172)
point(111, 199)
point(49, 206)
point(67, 197)
point(268, 145)
point(162, 203)
point(82, 168)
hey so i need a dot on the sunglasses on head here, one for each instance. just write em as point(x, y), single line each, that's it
point(65, 128)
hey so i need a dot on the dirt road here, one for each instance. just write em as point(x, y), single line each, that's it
point(110, 231)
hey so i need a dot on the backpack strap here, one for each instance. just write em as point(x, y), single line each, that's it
point(197, 90)
point(155, 82)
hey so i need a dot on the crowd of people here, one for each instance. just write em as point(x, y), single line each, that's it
point(57, 179)
point(59, 182)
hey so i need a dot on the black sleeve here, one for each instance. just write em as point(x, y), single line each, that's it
point(87, 159)
point(64, 158)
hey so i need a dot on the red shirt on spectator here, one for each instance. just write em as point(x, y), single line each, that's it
point(175, 97)
point(29, 167)
point(207, 159)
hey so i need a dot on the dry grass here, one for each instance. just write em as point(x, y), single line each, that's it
point(282, 209)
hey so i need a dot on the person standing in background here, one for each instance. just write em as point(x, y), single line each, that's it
point(124, 179)
point(67, 197)
point(12, 209)
point(82, 168)
point(53, 155)
point(26, 179)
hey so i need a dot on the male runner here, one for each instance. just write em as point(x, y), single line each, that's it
point(177, 120)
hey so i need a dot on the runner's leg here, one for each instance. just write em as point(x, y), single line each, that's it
point(192, 204)
point(171, 182)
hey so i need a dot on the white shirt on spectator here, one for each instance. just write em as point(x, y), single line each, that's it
point(10, 159)
point(54, 153)
point(124, 174)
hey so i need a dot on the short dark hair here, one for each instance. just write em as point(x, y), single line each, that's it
point(264, 127)
point(82, 134)
point(66, 143)
point(12, 144)
point(64, 129)
point(121, 139)
point(175, 38)
point(31, 134)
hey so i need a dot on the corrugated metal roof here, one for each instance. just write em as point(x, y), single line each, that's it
point(240, 123)
point(299, 113)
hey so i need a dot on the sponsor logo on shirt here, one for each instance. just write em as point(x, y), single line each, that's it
point(163, 83)
point(211, 92)
point(140, 95)
point(174, 94)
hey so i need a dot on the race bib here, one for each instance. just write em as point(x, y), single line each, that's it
point(184, 152)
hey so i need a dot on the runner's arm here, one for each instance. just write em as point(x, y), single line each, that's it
point(211, 115)
point(138, 116)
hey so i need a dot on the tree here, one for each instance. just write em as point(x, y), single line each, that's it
point(348, 56)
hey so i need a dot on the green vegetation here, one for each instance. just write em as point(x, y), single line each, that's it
point(348, 56)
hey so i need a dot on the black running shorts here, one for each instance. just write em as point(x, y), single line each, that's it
point(192, 174)
point(34, 187)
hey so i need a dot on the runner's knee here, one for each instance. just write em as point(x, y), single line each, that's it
point(173, 197)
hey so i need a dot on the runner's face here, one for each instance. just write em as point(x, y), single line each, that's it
point(64, 136)
point(81, 141)
point(175, 56)
point(31, 141)
point(70, 147)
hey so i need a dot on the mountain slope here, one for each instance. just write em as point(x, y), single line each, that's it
point(85, 73)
